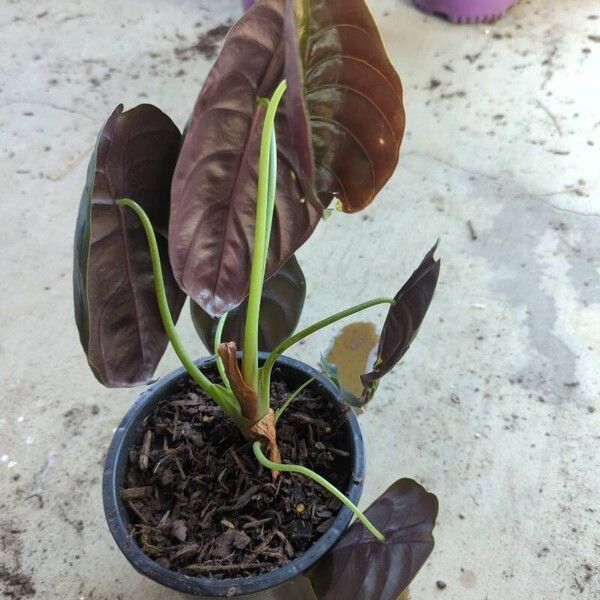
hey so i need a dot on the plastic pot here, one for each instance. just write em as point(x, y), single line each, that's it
point(129, 434)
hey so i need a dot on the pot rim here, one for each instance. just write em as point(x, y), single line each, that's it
point(116, 516)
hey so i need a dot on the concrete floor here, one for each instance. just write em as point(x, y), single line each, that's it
point(495, 407)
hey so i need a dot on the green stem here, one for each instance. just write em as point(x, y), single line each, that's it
point(261, 243)
point(220, 365)
point(219, 394)
point(291, 398)
point(270, 196)
point(265, 372)
point(265, 462)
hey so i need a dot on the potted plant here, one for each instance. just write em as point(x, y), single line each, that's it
point(239, 473)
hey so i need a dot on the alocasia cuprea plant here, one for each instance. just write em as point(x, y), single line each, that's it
point(301, 109)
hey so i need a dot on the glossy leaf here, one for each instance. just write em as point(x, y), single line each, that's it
point(116, 310)
point(215, 182)
point(338, 71)
point(280, 310)
point(360, 567)
point(403, 321)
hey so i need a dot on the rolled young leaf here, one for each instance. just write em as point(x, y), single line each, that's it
point(361, 567)
point(330, 370)
point(403, 321)
point(339, 73)
point(280, 310)
point(116, 310)
point(215, 182)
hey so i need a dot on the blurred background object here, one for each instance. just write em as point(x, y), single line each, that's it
point(467, 11)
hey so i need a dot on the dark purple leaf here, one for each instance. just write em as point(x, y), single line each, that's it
point(338, 71)
point(403, 321)
point(214, 187)
point(116, 310)
point(361, 568)
point(280, 310)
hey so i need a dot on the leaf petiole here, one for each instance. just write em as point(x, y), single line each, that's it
point(279, 412)
point(219, 360)
point(218, 393)
point(265, 462)
point(265, 371)
point(265, 205)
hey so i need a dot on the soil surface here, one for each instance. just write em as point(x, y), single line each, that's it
point(199, 502)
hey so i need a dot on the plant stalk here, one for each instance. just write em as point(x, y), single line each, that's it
point(265, 371)
point(265, 462)
point(219, 394)
point(219, 360)
point(270, 196)
point(265, 204)
point(279, 412)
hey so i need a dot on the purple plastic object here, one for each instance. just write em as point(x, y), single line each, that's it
point(246, 4)
point(467, 11)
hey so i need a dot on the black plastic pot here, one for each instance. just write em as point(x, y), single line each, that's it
point(129, 434)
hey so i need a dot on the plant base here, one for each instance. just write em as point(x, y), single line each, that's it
point(198, 501)
point(123, 520)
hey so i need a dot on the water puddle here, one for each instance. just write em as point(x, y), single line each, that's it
point(353, 351)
